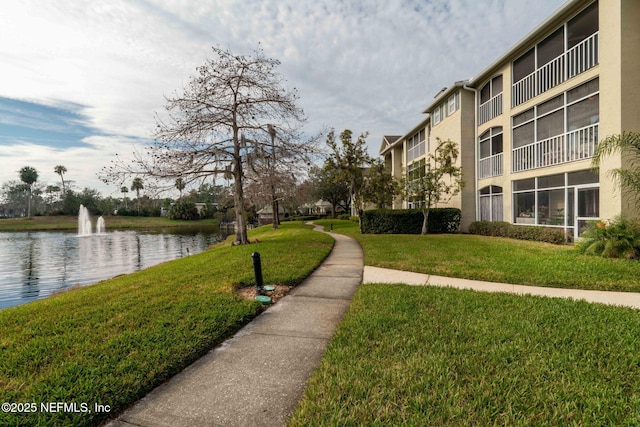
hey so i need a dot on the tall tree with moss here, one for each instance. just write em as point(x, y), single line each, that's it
point(29, 176)
point(438, 182)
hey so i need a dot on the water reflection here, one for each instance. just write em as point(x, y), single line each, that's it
point(35, 264)
point(30, 262)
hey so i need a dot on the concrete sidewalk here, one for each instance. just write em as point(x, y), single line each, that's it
point(257, 377)
point(385, 275)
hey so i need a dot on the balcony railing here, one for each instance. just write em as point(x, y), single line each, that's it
point(576, 60)
point(490, 166)
point(576, 145)
point(490, 109)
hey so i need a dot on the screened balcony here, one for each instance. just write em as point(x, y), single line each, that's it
point(579, 144)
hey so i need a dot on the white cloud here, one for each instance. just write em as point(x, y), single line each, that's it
point(363, 65)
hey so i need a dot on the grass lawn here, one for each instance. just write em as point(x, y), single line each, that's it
point(112, 342)
point(494, 259)
point(70, 222)
point(427, 356)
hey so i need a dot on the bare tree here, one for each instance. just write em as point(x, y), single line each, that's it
point(219, 122)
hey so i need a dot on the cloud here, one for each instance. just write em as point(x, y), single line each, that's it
point(362, 65)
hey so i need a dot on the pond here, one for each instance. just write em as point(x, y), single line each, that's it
point(33, 265)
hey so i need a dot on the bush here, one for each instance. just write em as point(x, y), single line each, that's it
point(409, 221)
point(184, 210)
point(522, 232)
point(619, 238)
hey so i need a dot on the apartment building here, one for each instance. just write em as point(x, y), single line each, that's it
point(528, 125)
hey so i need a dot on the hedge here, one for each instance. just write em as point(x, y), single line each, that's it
point(409, 221)
point(521, 232)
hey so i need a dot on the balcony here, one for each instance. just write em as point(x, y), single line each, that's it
point(576, 60)
point(490, 166)
point(579, 144)
point(490, 109)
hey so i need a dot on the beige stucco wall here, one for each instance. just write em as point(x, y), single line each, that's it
point(619, 76)
point(630, 80)
point(459, 127)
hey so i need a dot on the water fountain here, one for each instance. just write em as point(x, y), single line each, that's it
point(100, 225)
point(84, 223)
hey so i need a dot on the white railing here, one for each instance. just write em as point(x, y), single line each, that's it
point(582, 143)
point(490, 109)
point(550, 75)
point(576, 145)
point(490, 166)
point(582, 56)
point(576, 60)
point(523, 90)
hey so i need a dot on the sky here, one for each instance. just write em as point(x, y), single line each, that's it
point(82, 80)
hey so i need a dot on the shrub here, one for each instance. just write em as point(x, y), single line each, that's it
point(184, 210)
point(522, 232)
point(619, 238)
point(409, 221)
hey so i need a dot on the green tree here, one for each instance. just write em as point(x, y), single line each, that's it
point(29, 176)
point(627, 145)
point(180, 185)
point(439, 181)
point(61, 170)
point(350, 158)
point(136, 186)
point(124, 190)
point(328, 184)
point(379, 187)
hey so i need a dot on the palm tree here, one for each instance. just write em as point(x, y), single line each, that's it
point(136, 186)
point(28, 175)
point(61, 170)
point(627, 145)
point(124, 190)
point(180, 185)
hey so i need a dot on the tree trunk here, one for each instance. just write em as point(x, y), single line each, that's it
point(425, 221)
point(238, 199)
point(29, 204)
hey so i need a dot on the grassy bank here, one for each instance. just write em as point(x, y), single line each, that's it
point(112, 342)
point(424, 356)
point(68, 222)
point(494, 259)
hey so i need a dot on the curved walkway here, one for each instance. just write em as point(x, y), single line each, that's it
point(257, 377)
point(385, 275)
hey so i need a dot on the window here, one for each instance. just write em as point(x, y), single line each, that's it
point(453, 103)
point(570, 50)
point(490, 100)
point(561, 129)
point(551, 47)
point(415, 145)
point(491, 203)
point(524, 65)
point(436, 115)
point(552, 200)
point(491, 89)
point(491, 142)
point(582, 26)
